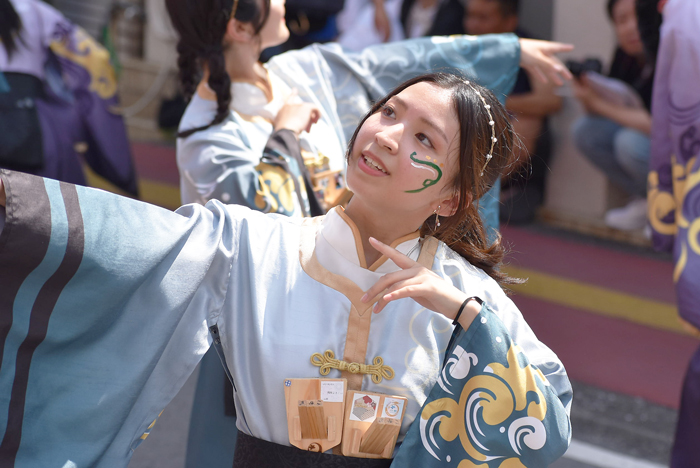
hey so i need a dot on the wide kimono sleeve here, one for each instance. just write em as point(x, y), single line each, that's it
point(491, 60)
point(344, 84)
point(104, 304)
point(502, 398)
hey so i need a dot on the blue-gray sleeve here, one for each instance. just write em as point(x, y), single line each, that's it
point(492, 60)
point(218, 165)
point(104, 303)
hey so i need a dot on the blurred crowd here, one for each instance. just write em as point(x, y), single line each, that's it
point(613, 134)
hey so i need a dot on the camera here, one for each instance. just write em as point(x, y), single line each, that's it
point(579, 67)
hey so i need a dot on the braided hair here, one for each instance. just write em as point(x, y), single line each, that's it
point(10, 26)
point(201, 25)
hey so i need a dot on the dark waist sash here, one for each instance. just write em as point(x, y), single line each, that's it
point(21, 146)
point(255, 453)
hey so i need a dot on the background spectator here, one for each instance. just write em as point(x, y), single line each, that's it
point(363, 23)
point(61, 89)
point(613, 137)
point(432, 17)
point(529, 104)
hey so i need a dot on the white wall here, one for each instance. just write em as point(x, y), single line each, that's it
point(575, 189)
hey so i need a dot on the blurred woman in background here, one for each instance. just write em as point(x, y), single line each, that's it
point(57, 107)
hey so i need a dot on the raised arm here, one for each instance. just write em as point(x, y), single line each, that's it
point(105, 301)
point(223, 165)
point(493, 60)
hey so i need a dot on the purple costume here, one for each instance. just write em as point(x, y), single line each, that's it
point(674, 192)
point(78, 98)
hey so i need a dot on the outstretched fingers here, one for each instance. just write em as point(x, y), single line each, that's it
point(539, 57)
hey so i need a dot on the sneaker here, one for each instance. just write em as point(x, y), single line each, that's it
point(628, 218)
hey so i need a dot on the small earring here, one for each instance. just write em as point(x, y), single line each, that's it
point(437, 217)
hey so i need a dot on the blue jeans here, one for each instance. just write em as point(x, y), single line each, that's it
point(621, 153)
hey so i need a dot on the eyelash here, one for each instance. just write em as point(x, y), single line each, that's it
point(388, 111)
point(429, 143)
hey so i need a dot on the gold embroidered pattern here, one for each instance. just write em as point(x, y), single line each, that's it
point(327, 361)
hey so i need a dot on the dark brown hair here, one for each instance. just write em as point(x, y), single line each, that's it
point(10, 26)
point(201, 25)
point(464, 231)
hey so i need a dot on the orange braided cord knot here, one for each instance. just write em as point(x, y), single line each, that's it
point(327, 361)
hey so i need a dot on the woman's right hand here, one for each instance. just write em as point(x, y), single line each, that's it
point(2, 194)
point(539, 58)
point(297, 117)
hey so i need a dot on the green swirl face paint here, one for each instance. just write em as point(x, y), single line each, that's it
point(427, 166)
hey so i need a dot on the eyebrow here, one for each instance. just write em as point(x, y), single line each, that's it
point(428, 122)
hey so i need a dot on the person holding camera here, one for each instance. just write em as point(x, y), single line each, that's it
point(530, 104)
point(614, 136)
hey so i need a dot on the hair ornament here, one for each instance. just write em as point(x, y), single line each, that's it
point(492, 124)
point(233, 9)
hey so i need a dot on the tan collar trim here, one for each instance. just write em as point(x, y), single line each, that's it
point(359, 320)
point(355, 235)
point(358, 241)
point(381, 260)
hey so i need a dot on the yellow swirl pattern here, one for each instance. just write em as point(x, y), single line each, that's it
point(693, 181)
point(693, 234)
point(680, 263)
point(277, 192)
point(94, 58)
point(660, 204)
point(499, 394)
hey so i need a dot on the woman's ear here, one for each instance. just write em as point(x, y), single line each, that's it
point(238, 31)
point(449, 206)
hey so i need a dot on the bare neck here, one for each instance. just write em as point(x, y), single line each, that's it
point(242, 65)
point(383, 226)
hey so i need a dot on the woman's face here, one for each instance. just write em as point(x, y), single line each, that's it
point(275, 31)
point(405, 155)
point(626, 29)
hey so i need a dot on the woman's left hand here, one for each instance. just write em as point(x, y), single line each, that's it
point(420, 284)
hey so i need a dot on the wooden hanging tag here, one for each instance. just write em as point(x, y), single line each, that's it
point(315, 409)
point(372, 424)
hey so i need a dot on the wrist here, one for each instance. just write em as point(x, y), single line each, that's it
point(287, 129)
point(467, 311)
